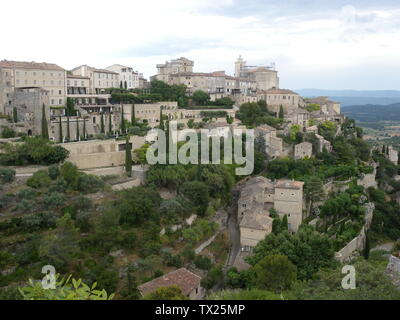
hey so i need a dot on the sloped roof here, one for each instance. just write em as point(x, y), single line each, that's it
point(182, 277)
point(256, 221)
point(30, 65)
point(289, 184)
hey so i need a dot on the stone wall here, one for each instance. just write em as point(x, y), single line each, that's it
point(358, 243)
point(100, 153)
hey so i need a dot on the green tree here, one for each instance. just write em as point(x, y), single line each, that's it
point(133, 116)
point(123, 127)
point(275, 273)
point(61, 140)
point(84, 128)
point(65, 290)
point(200, 98)
point(77, 130)
point(281, 112)
point(15, 115)
point(284, 223)
point(166, 293)
point(102, 130)
point(68, 130)
point(128, 157)
point(198, 193)
point(70, 110)
point(61, 245)
point(45, 128)
point(109, 124)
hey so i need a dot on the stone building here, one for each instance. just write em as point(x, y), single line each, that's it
point(264, 77)
point(303, 150)
point(275, 98)
point(327, 106)
point(28, 103)
point(100, 153)
point(186, 280)
point(126, 76)
point(180, 65)
point(274, 144)
point(19, 74)
point(288, 201)
point(323, 143)
point(100, 79)
point(257, 197)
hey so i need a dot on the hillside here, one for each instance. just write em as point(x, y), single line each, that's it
point(355, 97)
point(373, 112)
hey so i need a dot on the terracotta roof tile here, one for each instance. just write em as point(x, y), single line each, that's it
point(30, 65)
point(182, 277)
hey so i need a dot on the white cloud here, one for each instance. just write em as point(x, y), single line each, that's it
point(308, 49)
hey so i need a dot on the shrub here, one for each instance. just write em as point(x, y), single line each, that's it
point(53, 200)
point(39, 180)
point(7, 175)
point(27, 193)
point(54, 171)
point(202, 262)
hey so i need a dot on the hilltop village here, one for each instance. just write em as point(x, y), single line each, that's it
point(77, 192)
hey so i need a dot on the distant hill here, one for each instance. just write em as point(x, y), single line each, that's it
point(355, 97)
point(373, 113)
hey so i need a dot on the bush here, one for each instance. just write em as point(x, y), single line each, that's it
point(54, 171)
point(202, 262)
point(212, 278)
point(27, 194)
point(7, 175)
point(7, 132)
point(39, 180)
point(83, 221)
point(33, 151)
point(53, 200)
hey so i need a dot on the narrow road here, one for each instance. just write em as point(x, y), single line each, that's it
point(233, 227)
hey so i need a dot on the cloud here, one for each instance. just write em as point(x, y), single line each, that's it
point(308, 40)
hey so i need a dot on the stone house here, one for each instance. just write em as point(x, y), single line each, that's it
point(303, 150)
point(274, 144)
point(258, 196)
point(183, 278)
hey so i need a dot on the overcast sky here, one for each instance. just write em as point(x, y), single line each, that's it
point(327, 44)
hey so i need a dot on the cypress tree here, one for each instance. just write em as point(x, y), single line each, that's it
point(126, 85)
point(84, 128)
point(15, 115)
point(367, 247)
point(128, 158)
point(60, 131)
point(45, 129)
point(285, 224)
point(161, 126)
point(281, 113)
point(109, 124)
point(77, 130)
point(123, 128)
point(133, 117)
point(68, 130)
point(167, 135)
point(102, 123)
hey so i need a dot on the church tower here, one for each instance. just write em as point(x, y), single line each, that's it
point(239, 65)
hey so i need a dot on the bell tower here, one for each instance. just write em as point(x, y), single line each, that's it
point(239, 65)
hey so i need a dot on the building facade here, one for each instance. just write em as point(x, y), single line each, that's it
point(129, 79)
point(99, 79)
point(18, 74)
